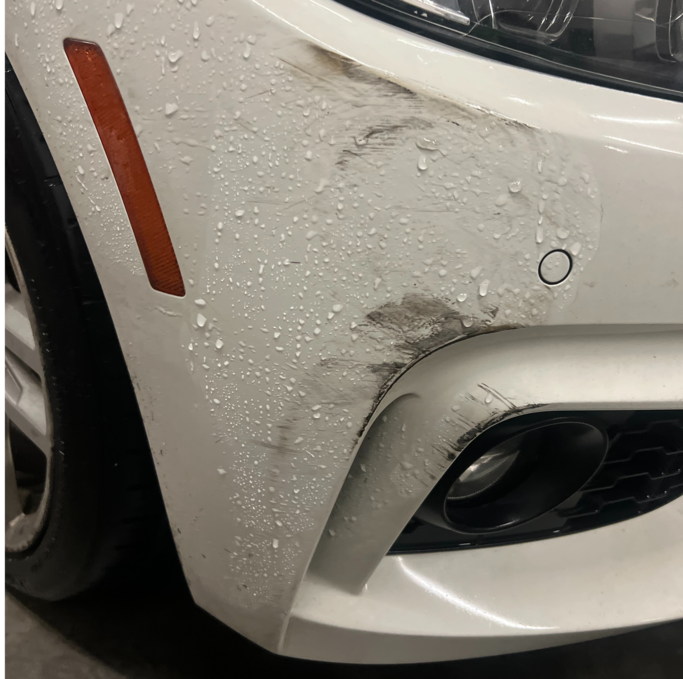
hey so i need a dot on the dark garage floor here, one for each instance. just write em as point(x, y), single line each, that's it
point(162, 635)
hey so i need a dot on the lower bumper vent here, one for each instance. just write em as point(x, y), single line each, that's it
point(641, 471)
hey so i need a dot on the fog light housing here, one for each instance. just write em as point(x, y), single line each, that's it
point(511, 477)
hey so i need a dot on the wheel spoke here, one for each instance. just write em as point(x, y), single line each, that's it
point(18, 332)
point(12, 501)
point(25, 402)
point(28, 425)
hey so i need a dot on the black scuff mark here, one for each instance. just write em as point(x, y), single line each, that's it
point(469, 436)
point(337, 64)
point(497, 395)
point(387, 371)
point(422, 323)
point(334, 65)
point(380, 136)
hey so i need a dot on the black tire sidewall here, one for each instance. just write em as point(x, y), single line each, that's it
point(74, 506)
point(105, 509)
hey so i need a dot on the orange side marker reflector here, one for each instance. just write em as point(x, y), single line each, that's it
point(127, 163)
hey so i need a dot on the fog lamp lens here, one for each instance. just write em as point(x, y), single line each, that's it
point(482, 474)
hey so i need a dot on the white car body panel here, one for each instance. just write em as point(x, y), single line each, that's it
point(435, 606)
point(326, 144)
point(427, 607)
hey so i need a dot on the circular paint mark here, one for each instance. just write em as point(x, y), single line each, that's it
point(555, 267)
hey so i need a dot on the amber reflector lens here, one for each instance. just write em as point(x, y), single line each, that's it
point(127, 163)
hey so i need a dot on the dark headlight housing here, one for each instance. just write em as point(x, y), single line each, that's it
point(636, 45)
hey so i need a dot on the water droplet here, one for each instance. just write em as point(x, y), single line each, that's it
point(422, 163)
point(247, 52)
point(59, 4)
point(219, 344)
point(337, 308)
point(195, 31)
point(222, 471)
point(575, 249)
point(461, 297)
point(200, 302)
point(201, 320)
point(501, 200)
point(484, 288)
point(488, 398)
point(515, 186)
point(118, 20)
point(426, 144)
point(170, 109)
point(475, 272)
point(176, 56)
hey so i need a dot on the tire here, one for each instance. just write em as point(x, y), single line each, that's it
point(104, 514)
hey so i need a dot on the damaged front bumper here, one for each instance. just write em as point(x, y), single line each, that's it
point(359, 601)
point(346, 198)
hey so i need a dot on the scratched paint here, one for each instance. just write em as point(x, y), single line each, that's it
point(380, 211)
point(337, 224)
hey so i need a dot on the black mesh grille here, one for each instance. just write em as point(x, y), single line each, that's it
point(643, 470)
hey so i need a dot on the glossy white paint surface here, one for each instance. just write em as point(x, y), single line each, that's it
point(495, 600)
point(251, 116)
point(466, 387)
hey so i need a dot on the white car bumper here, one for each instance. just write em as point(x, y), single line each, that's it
point(443, 606)
point(345, 198)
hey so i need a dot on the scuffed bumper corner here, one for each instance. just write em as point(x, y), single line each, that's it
point(345, 199)
point(362, 604)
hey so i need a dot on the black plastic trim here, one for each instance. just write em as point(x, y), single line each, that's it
point(642, 471)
